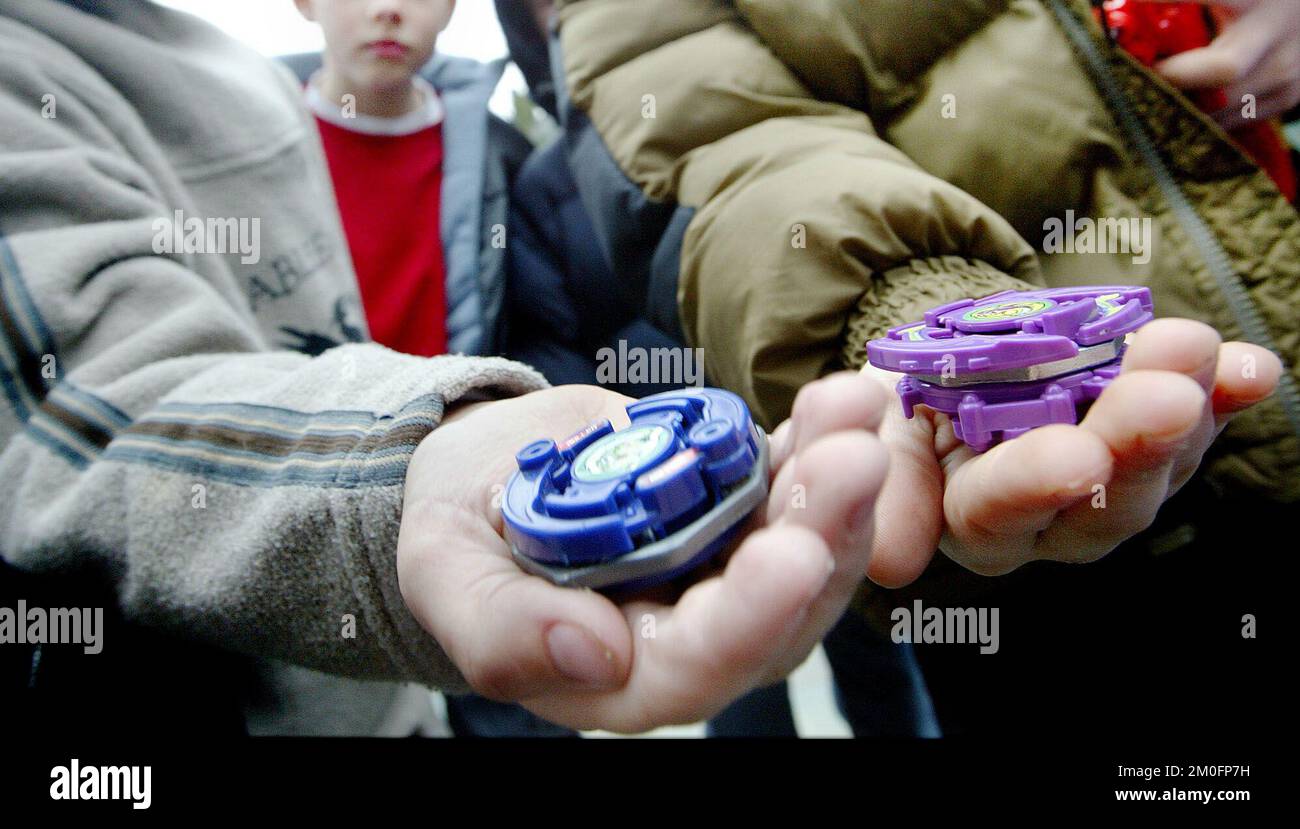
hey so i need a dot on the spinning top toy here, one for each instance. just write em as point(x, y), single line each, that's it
point(1014, 361)
point(630, 508)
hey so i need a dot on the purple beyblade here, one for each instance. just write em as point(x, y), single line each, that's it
point(1013, 361)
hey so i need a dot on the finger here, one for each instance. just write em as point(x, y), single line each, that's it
point(1235, 375)
point(1245, 375)
point(841, 476)
point(779, 444)
point(1232, 56)
point(716, 643)
point(1190, 348)
point(1147, 419)
point(1181, 345)
point(1272, 103)
point(902, 549)
point(845, 401)
point(1272, 84)
point(841, 401)
point(1209, 67)
point(998, 503)
point(512, 635)
point(1235, 4)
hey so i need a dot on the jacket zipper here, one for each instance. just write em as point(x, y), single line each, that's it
point(1243, 308)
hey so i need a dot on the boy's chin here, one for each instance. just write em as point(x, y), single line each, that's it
point(387, 72)
point(389, 79)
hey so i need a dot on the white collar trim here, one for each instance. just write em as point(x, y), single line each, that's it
point(430, 113)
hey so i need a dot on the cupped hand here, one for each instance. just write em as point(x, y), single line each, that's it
point(577, 658)
point(1063, 493)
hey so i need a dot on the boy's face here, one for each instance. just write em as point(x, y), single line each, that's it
point(377, 44)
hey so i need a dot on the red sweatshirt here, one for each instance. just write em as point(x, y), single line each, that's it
point(387, 176)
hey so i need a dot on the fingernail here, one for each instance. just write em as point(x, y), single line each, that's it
point(579, 655)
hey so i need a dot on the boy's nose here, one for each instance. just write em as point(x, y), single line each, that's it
point(387, 10)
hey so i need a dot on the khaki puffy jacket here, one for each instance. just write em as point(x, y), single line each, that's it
point(846, 164)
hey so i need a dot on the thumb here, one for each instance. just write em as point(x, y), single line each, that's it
point(513, 636)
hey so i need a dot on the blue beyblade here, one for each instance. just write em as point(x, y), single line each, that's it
point(641, 505)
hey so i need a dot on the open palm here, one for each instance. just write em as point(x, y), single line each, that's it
point(1064, 493)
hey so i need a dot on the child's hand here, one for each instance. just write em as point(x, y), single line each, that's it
point(575, 657)
point(1033, 497)
point(1257, 52)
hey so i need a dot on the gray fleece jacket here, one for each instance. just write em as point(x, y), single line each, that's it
point(187, 402)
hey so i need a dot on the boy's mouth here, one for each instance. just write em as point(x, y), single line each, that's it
point(389, 49)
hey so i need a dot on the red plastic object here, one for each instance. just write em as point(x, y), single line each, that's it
point(1152, 32)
